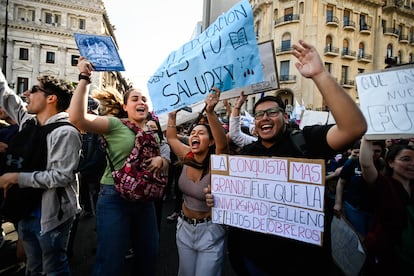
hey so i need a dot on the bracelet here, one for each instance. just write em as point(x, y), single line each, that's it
point(237, 107)
point(83, 77)
point(172, 126)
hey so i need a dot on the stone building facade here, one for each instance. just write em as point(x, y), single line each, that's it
point(352, 36)
point(37, 38)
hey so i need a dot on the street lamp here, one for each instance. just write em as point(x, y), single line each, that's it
point(5, 39)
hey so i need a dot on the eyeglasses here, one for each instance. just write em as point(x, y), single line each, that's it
point(271, 112)
point(37, 88)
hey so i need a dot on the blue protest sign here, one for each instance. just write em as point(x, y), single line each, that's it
point(100, 50)
point(225, 56)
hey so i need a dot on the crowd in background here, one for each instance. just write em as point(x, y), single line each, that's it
point(368, 183)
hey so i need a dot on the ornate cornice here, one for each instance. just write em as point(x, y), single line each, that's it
point(92, 6)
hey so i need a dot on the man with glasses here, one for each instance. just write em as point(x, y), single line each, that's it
point(249, 251)
point(45, 231)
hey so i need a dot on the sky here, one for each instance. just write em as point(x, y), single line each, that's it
point(148, 31)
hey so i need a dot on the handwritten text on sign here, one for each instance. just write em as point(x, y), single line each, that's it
point(284, 197)
point(387, 101)
point(225, 56)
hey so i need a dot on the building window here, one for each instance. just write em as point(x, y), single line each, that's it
point(363, 21)
point(82, 24)
point(301, 7)
point(328, 67)
point(361, 50)
point(284, 70)
point(74, 60)
point(399, 57)
point(329, 13)
point(24, 54)
point(344, 74)
point(389, 51)
point(347, 17)
point(410, 58)
point(361, 70)
point(48, 18)
point(50, 57)
point(288, 14)
point(22, 85)
point(51, 18)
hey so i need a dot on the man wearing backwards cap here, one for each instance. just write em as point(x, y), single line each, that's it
point(43, 232)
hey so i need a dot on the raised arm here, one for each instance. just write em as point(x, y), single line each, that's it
point(78, 114)
point(180, 149)
point(236, 134)
point(350, 122)
point(366, 160)
point(215, 125)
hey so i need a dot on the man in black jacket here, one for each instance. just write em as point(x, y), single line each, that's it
point(249, 251)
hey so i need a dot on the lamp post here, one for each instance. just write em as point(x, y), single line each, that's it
point(5, 39)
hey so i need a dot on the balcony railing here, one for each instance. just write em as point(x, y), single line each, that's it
point(332, 21)
point(347, 83)
point(283, 49)
point(365, 28)
point(403, 38)
point(346, 53)
point(287, 18)
point(329, 50)
point(391, 31)
point(364, 57)
point(287, 78)
point(349, 25)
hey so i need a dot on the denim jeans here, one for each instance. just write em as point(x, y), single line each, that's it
point(46, 254)
point(201, 248)
point(120, 225)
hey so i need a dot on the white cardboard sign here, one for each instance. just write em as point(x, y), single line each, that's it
point(387, 101)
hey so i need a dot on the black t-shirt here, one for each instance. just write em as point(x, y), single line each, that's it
point(289, 256)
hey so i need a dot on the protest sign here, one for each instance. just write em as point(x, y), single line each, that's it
point(270, 75)
point(312, 117)
point(278, 196)
point(225, 56)
point(387, 101)
point(347, 249)
point(100, 50)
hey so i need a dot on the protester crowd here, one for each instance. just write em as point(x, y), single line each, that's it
point(368, 183)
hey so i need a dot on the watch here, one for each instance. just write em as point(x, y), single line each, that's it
point(84, 77)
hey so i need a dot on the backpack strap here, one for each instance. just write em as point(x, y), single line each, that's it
point(298, 140)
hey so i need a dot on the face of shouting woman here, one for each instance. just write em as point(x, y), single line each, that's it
point(136, 107)
point(200, 140)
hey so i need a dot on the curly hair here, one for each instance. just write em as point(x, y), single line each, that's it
point(110, 102)
point(61, 88)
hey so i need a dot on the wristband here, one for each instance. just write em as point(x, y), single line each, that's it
point(172, 126)
point(84, 77)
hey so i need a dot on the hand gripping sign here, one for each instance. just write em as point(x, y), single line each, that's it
point(225, 56)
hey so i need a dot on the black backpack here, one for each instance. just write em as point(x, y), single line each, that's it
point(27, 152)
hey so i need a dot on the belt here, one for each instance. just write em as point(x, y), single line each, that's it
point(194, 221)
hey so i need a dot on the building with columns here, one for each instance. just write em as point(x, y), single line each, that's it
point(352, 37)
point(37, 38)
